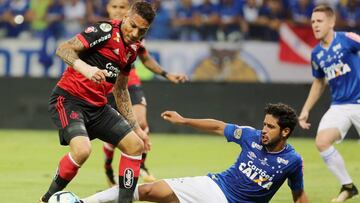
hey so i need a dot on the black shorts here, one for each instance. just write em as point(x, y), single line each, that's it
point(137, 96)
point(76, 117)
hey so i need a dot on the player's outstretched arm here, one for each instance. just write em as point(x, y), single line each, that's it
point(299, 196)
point(123, 102)
point(317, 88)
point(68, 52)
point(208, 125)
point(151, 64)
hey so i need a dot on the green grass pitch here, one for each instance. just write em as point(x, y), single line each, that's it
point(28, 160)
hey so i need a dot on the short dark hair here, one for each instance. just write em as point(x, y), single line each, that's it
point(286, 115)
point(144, 9)
point(325, 9)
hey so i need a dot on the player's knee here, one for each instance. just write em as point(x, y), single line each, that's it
point(136, 148)
point(80, 154)
point(322, 143)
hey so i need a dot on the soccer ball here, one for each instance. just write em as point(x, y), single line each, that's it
point(64, 197)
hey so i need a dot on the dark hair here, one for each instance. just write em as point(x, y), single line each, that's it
point(324, 8)
point(144, 9)
point(286, 115)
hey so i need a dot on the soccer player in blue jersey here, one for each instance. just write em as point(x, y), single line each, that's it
point(265, 162)
point(335, 61)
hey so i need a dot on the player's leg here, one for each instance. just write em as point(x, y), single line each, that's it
point(114, 129)
point(73, 133)
point(138, 101)
point(158, 191)
point(108, 150)
point(333, 128)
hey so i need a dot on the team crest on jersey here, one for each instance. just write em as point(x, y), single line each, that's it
point(237, 133)
point(256, 146)
point(282, 161)
point(106, 27)
point(90, 29)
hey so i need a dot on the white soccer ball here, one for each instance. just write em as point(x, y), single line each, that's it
point(64, 197)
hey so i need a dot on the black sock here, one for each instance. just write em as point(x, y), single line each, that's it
point(56, 185)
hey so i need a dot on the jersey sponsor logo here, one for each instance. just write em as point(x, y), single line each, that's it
point(282, 161)
point(256, 174)
point(320, 54)
point(251, 155)
point(128, 178)
point(336, 47)
point(237, 133)
point(116, 51)
point(106, 27)
point(112, 70)
point(336, 69)
point(314, 65)
point(256, 146)
point(117, 38)
point(101, 39)
point(90, 29)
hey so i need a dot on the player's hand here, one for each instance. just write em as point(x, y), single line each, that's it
point(99, 76)
point(173, 117)
point(304, 115)
point(176, 78)
point(145, 138)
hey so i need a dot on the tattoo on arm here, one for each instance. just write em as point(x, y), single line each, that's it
point(123, 102)
point(68, 51)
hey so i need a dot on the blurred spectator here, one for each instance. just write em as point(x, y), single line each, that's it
point(96, 11)
point(39, 8)
point(55, 30)
point(230, 16)
point(161, 26)
point(74, 11)
point(250, 21)
point(183, 21)
point(271, 15)
point(4, 5)
point(207, 19)
point(332, 3)
point(16, 17)
point(349, 16)
point(301, 11)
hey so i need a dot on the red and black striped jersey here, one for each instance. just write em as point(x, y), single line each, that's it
point(105, 49)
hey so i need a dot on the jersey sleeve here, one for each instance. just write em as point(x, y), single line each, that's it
point(96, 34)
point(315, 67)
point(296, 178)
point(235, 133)
point(353, 40)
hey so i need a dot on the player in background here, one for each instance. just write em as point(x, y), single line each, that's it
point(117, 9)
point(335, 61)
point(265, 162)
point(99, 62)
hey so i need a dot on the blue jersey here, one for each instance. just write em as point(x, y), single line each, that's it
point(340, 65)
point(257, 174)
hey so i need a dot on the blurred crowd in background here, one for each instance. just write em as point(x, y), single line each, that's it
point(190, 20)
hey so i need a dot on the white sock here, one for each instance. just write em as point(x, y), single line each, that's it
point(336, 165)
point(106, 196)
point(136, 193)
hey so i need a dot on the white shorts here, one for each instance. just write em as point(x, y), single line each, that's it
point(199, 189)
point(341, 117)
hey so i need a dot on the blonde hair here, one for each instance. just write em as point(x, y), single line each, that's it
point(325, 9)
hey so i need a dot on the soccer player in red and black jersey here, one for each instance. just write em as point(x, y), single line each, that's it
point(99, 62)
point(116, 10)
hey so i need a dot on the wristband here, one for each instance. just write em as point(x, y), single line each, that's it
point(164, 74)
